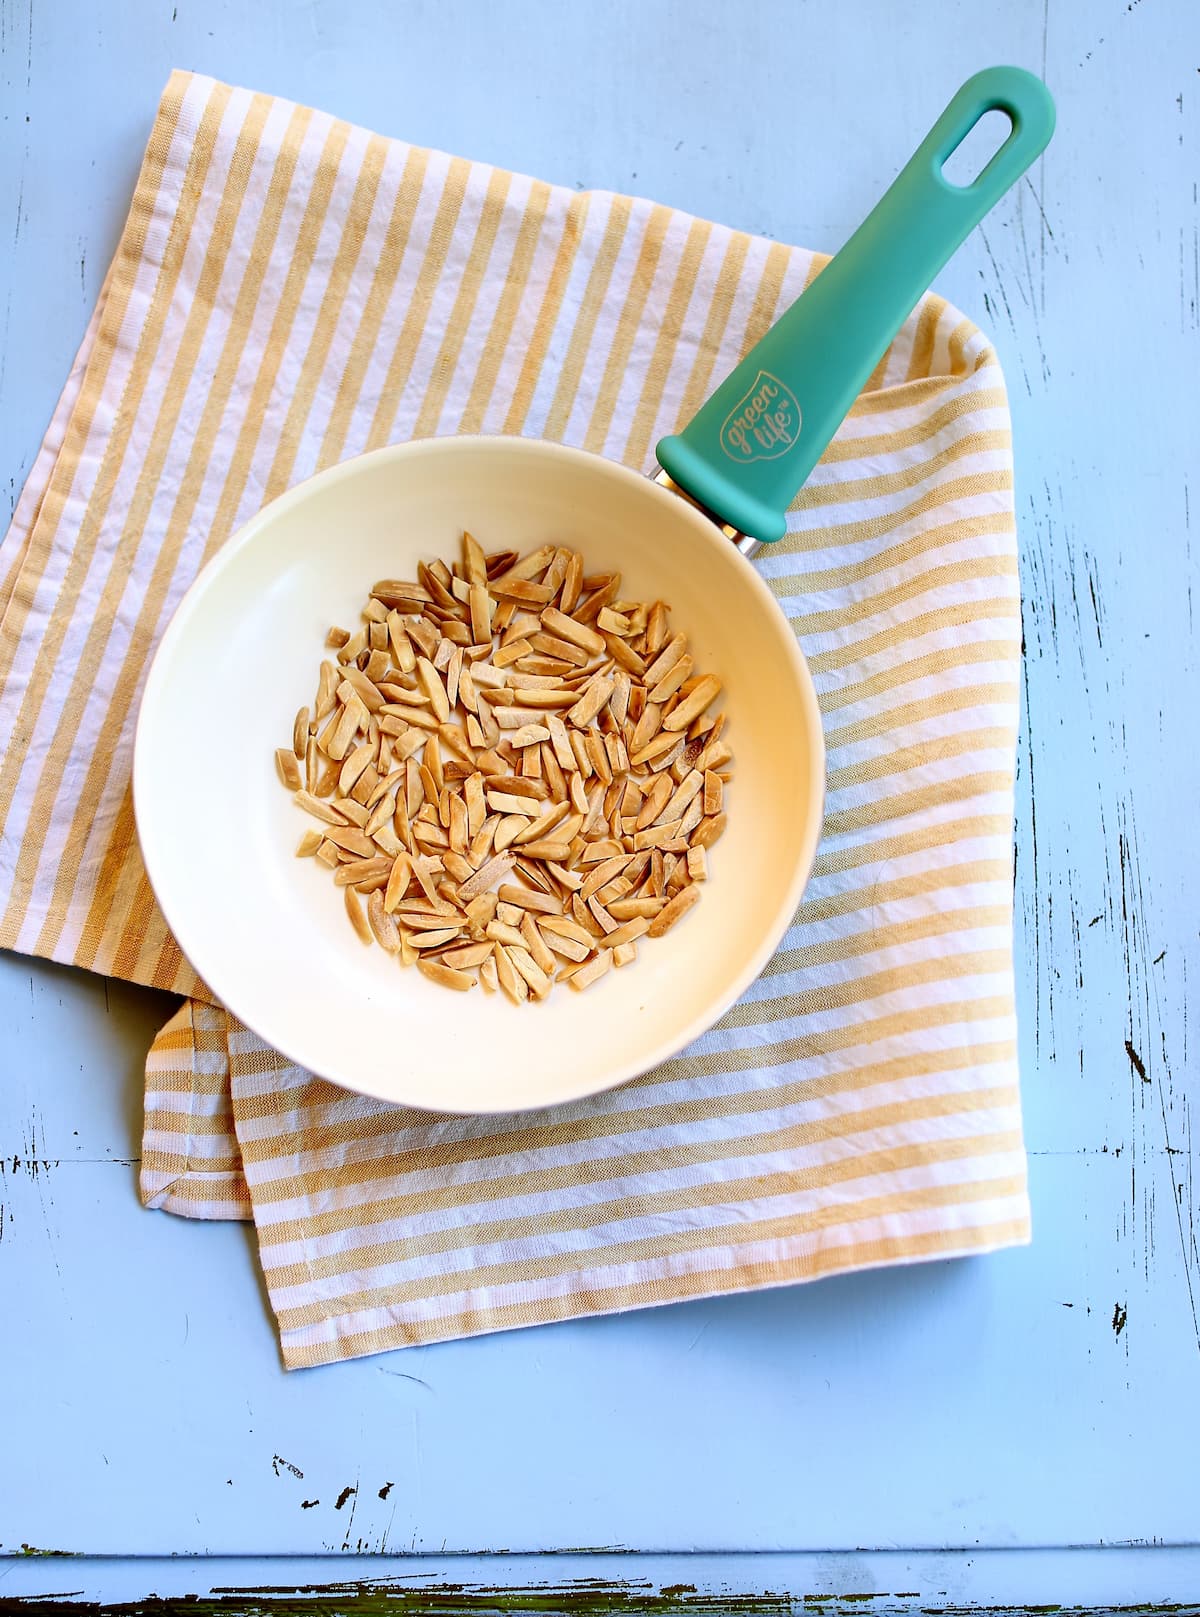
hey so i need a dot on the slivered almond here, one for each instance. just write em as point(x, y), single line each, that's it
point(627, 909)
point(353, 767)
point(550, 645)
point(564, 627)
point(539, 983)
point(385, 930)
point(567, 947)
point(528, 566)
point(623, 653)
point(593, 699)
point(672, 912)
point(628, 932)
point(654, 801)
point(672, 680)
point(471, 954)
point(701, 697)
point(512, 983)
point(358, 919)
point(485, 877)
point(474, 560)
point(434, 938)
point(624, 954)
point(564, 877)
point(590, 973)
point(658, 749)
point(434, 688)
point(445, 976)
point(708, 831)
point(511, 653)
point(546, 848)
point(529, 735)
point(354, 812)
point(288, 767)
point(308, 844)
point(666, 659)
point(527, 898)
point(572, 579)
point(488, 980)
point(681, 797)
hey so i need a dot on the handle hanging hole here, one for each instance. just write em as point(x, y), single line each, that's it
point(977, 148)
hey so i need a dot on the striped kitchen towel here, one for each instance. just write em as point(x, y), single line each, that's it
point(290, 290)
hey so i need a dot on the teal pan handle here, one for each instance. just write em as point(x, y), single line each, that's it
point(751, 447)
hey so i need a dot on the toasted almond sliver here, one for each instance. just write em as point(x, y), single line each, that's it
point(434, 938)
point(398, 881)
point(681, 797)
point(628, 932)
point(510, 980)
point(564, 877)
point(308, 844)
point(697, 864)
point(434, 688)
point(319, 808)
point(488, 980)
point(445, 976)
point(536, 946)
point(564, 627)
point(510, 803)
point(625, 909)
point(539, 983)
point(708, 831)
point(354, 766)
point(593, 699)
point(678, 907)
point(672, 680)
point(486, 877)
point(358, 919)
point(714, 791)
point(704, 694)
point(569, 948)
point(624, 954)
point(656, 752)
point(474, 560)
point(351, 839)
point(529, 735)
point(506, 932)
point(572, 579)
point(550, 646)
point(602, 874)
point(666, 659)
point(327, 853)
point(288, 766)
point(550, 816)
point(387, 934)
point(471, 954)
point(587, 975)
point(327, 685)
point(546, 848)
point(528, 898)
point(511, 653)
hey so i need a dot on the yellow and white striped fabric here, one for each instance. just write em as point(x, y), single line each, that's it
point(290, 290)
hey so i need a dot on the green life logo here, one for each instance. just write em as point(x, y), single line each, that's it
point(764, 423)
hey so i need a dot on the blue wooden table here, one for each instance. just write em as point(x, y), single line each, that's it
point(1023, 1428)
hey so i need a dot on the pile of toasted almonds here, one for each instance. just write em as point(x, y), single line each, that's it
point(516, 773)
